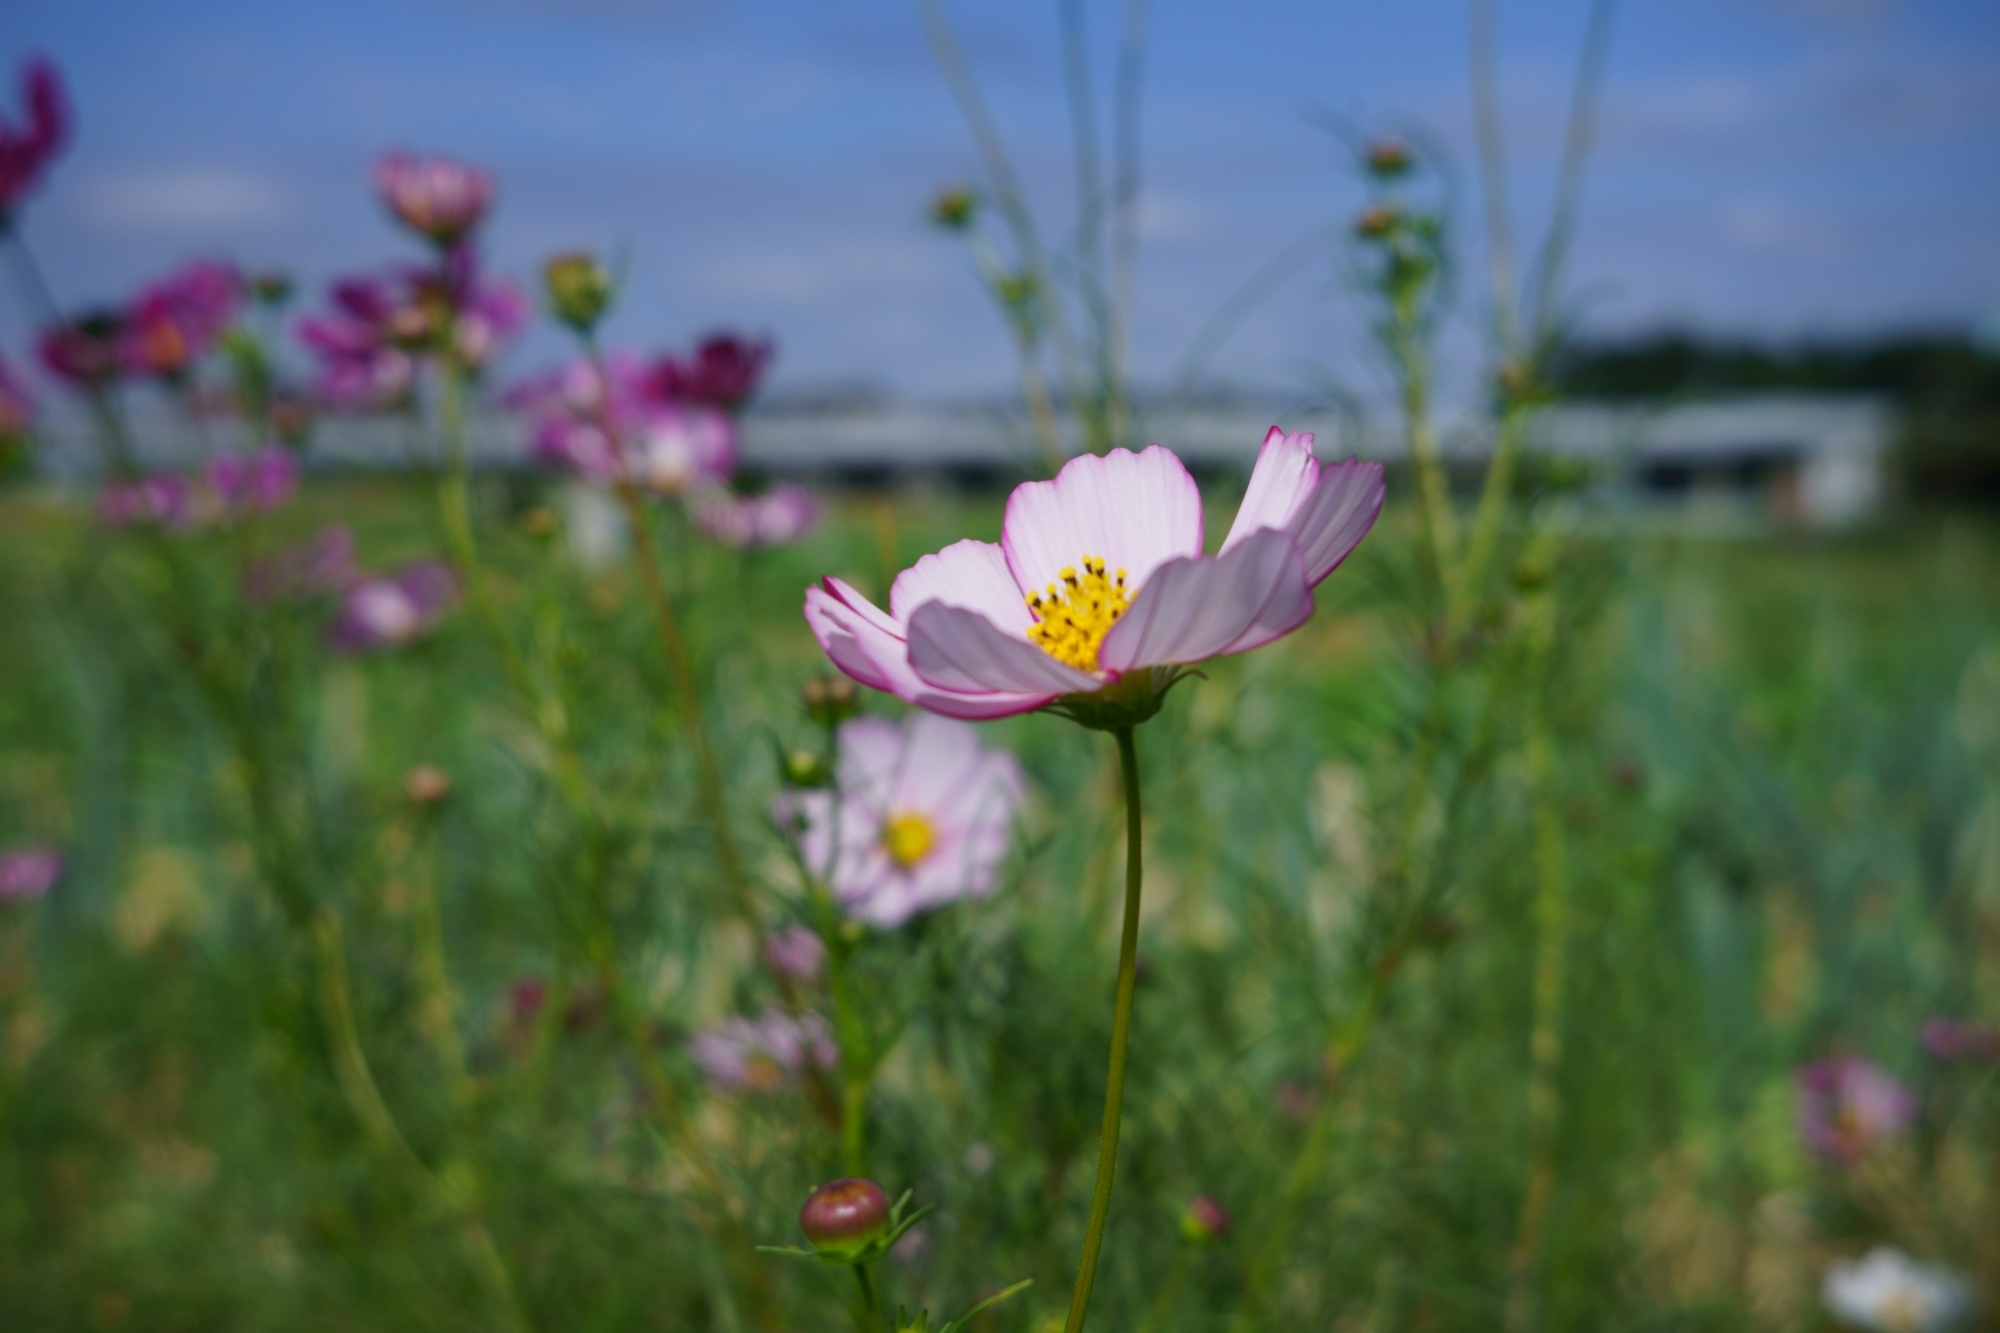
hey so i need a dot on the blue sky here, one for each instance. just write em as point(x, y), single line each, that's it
point(1780, 167)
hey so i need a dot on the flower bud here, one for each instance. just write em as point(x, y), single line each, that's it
point(427, 785)
point(829, 700)
point(955, 209)
point(1376, 221)
point(271, 287)
point(1204, 1220)
point(844, 1217)
point(1388, 158)
point(803, 768)
point(579, 289)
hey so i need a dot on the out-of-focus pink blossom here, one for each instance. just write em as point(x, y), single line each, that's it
point(665, 448)
point(778, 517)
point(380, 327)
point(167, 499)
point(923, 814)
point(435, 197)
point(724, 372)
point(28, 872)
point(256, 482)
point(393, 609)
point(763, 1054)
point(172, 324)
point(1848, 1107)
point(796, 953)
point(493, 316)
point(324, 563)
point(1958, 1041)
point(84, 352)
point(26, 150)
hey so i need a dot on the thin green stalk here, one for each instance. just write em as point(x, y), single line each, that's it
point(1121, 1033)
point(440, 1004)
point(1439, 528)
point(871, 1298)
point(1169, 1288)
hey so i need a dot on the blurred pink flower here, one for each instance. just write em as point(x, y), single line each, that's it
point(84, 352)
point(724, 372)
point(164, 498)
point(256, 482)
point(26, 152)
point(924, 815)
point(381, 327)
point(434, 196)
point(1099, 576)
point(28, 872)
point(1847, 1107)
point(173, 323)
point(17, 413)
point(393, 609)
point(796, 953)
point(323, 563)
point(1958, 1041)
point(763, 1054)
point(666, 448)
point(778, 517)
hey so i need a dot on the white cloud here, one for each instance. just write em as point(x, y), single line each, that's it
point(187, 199)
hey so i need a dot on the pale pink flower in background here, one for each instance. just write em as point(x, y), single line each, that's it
point(923, 812)
point(393, 609)
point(778, 517)
point(1892, 1293)
point(1847, 1107)
point(322, 564)
point(165, 498)
point(1098, 586)
point(763, 1054)
point(796, 953)
point(1958, 1041)
point(256, 482)
point(28, 872)
point(435, 197)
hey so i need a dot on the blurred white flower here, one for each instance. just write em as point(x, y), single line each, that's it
point(1893, 1293)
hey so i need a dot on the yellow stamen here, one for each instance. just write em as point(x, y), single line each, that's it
point(1073, 616)
point(908, 838)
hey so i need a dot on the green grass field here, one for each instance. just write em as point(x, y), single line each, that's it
point(1473, 985)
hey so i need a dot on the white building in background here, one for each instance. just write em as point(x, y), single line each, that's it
point(1780, 459)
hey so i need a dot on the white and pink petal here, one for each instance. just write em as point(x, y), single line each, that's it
point(1136, 511)
point(1192, 610)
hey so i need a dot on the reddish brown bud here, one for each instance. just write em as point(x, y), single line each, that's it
point(1388, 158)
point(1204, 1220)
point(844, 1217)
point(427, 784)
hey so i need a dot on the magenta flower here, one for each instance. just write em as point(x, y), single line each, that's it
point(1959, 1041)
point(256, 482)
point(28, 872)
point(167, 499)
point(1847, 1107)
point(393, 609)
point(796, 953)
point(492, 315)
point(724, 372)
point(1098, 590)
point(434, 196)
point(322, 564)
point(665, 448)
point(763, 1054)
point(172, 324)
point(381, 327)
point(84, 352)
point(778, 517)
point(25, 153)
point(923, 813)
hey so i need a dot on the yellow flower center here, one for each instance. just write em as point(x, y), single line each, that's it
point(1074, 615)
point(908, 838)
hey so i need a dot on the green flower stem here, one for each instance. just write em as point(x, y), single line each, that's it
point(871, 1298)
point(1121, 1032)
point(440, 1003)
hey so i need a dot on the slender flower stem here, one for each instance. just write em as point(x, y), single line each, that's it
point(871, 1298)
point(1121, 1032)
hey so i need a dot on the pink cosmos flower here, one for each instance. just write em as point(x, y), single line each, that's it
point(172, 324)
point(922, 811)
point(724, 372)
point(164, 498)
point(665, 448)
point(778, 517)
point(393, 609)
point(322, 564)
point(1959, 1041)
point(434, 196)
point(256, 482)
point(381, 327)
point(26, 152)
point(28, 872)
point(1098, 589)
point(796, 953)
point(763, 1054)
point(1847, 1107)
point(84, 352)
